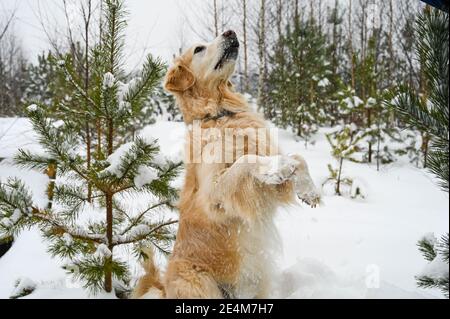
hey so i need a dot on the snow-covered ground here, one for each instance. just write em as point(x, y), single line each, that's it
point(347, 248)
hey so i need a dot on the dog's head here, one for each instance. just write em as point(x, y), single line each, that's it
point(203, 73)
point(204, 65)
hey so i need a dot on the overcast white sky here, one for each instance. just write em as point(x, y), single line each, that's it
point(154, 25)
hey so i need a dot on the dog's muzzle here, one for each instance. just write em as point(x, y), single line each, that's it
point(230, 47)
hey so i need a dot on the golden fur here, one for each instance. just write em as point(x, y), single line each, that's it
point(225, 234)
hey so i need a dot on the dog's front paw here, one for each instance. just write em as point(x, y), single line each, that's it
point(276, 170)
point(304, 185)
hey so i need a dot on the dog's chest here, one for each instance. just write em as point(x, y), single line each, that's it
point(256, 248)
point(218, 144)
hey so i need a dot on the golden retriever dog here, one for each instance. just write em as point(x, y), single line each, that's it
point(235, 180)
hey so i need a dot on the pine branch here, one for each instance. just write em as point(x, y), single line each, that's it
point(438, 164)
point(113, 40)
point(410, 109)
point(443, 247)
point(91, 270)
point(161, 186)
point(120, 211)
point(31, 161)
point(109, 99)
point(426, 247)
point(123, 240)
point(121, 176)
point(429, 282)
point(435, 251)
point(58, 226)
point(432, 29)
point(78, 88)
point(61, 151)
point(72, 198)
point(160, 249)
point(15, 208)
point(66, 246)
point(151, 74)
point(138, 219)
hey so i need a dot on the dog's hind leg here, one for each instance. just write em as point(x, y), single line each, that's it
point(149, 286)
point(184, 281)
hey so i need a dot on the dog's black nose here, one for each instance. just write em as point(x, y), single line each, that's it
point(229, 34)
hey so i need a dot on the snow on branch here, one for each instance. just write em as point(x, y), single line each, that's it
point(140, 232)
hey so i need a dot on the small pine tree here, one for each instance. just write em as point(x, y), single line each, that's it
point(349, 104)
point(409, 141)
point(430, 114)
point(40, 81)
point(378, 137)
point(163, 105)
point(89, 230)
point(380, 133)
point(299, 78)
point(47, 85)
point(344, 144)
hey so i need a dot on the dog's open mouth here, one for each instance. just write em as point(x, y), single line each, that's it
point(230, 52)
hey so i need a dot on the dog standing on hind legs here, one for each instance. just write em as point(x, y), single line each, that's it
point(235, 180)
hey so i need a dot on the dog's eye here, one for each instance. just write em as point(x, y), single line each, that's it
point(199, 49)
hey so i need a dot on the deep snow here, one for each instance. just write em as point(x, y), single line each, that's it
point(346, 248)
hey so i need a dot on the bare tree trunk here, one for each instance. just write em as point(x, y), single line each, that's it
point(71, 40)
point(98, 126)
point(109, 215)
point(216, 19)
point(378, 146)
point(392, 75)
point(5, 28)
point(296, 9)
point(335, 54)
point(261, 52)
point(110, 136)
point(423, 88)
point(101, 22)
point(320, 15)
point(245, 44)
point(335, 44)
point(350, 43)
point(424, 147)
point(362, 4)
point(51, 173)
point(98, 123)
point(372, 90)
point(279, 16)
point(11, 67)
point(338, 182)
point(369, 124)
point(109, 194)
point(109, 237)
point(87, 19)
point(390, 41)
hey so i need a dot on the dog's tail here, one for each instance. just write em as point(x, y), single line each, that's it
point(149, 286)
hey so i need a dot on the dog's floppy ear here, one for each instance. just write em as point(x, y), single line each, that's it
point(179, 79)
